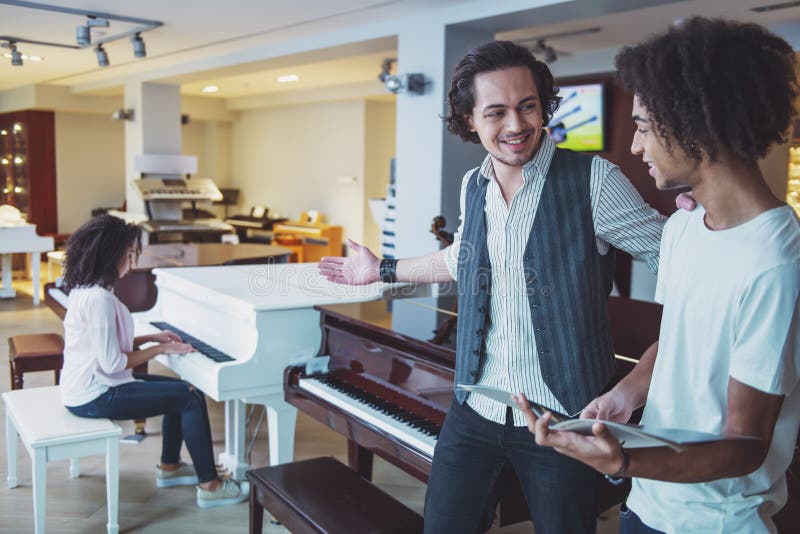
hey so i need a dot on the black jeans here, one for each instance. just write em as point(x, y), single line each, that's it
point(469, 455)
point(183, 407)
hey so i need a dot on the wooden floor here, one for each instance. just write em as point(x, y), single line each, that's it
point(79, 505)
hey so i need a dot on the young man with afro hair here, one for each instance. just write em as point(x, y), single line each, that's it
point(711, 98)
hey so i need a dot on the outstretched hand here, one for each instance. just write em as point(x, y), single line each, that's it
point(358, 269)
point(601, 450)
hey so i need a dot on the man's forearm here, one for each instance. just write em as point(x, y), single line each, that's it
point(424, 269)
point(697, 463)
point(635, 385)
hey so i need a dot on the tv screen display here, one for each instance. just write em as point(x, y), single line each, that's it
point(578, 122)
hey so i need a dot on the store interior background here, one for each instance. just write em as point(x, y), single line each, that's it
point(326, 141)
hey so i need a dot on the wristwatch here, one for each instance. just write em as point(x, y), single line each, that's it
point(388, 270)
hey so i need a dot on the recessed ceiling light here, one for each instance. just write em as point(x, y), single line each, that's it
point(210, 89)
point(286, 78)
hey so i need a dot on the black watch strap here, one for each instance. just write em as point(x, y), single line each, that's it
point(388, 270)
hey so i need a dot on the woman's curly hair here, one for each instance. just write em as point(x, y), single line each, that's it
point(94, 251)
point(491, 57)
point(712, 84)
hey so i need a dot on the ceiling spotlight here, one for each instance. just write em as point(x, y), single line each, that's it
point(102, 56)
point(413, 83)
point(83, 34)
point(210, 89)
point(138, 46)
point(393, 83)
point(16, 57)
point(386, 69)
point(547, 50)
point(122, 115)
point(287, 78)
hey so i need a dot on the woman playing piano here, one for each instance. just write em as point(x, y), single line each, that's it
point(100, 352)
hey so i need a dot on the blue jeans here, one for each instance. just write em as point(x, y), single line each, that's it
point(630, 523)
point(471, 452)
point(185, 416)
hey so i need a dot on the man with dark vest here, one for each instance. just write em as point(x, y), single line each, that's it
point(534, 259)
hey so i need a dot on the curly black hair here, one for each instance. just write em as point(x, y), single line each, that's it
point(712, 84)
point(94, 251)
point(491, 57)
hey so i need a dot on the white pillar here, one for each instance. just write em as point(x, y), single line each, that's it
point(430, 160)
point(155, 129)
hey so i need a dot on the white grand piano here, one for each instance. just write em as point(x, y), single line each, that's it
point(249, 323)
point(16, 236)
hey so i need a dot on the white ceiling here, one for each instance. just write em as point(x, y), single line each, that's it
point(196, 29)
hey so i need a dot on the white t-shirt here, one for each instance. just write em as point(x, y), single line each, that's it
point(730, 310)
point(98, 331)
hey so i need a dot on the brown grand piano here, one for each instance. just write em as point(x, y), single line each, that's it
point(383, 358)
point(390, 387)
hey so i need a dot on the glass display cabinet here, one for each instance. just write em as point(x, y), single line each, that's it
point(28, 167)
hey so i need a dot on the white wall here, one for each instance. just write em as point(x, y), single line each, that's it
point(90, 166)
point(210, 141)
point(289, 159)
point(379, 143)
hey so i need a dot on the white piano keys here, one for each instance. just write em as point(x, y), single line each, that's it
point(402, 431)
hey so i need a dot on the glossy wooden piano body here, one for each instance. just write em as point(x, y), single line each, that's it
point(354, 338)
point(367, 338)
point(392, 347)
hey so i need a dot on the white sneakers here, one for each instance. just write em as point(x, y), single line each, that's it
point(185, 475)
point(230, 492)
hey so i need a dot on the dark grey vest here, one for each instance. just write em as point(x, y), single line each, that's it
point(567, 282)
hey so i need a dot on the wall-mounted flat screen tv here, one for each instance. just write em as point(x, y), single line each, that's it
point(578, 123)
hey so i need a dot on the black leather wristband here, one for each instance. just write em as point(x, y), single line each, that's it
point(618, 478)
point(388, 270)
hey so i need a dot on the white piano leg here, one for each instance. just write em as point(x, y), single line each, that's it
point(6, 291)
point(281, 420)
point(235, 440)
point(36, 267)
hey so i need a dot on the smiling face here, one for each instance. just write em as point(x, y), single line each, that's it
point(669, 168)
point(507, 116)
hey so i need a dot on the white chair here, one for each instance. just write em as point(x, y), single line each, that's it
point(50, 432)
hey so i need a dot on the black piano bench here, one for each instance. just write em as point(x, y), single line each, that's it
point(322, 495)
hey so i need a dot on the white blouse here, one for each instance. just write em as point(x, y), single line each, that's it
point(98, 332)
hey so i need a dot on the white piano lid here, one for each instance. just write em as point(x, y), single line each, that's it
point(265, 287)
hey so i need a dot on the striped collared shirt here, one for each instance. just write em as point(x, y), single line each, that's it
point(620, 218)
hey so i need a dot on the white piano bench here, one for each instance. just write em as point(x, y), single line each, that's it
point(50, 432)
